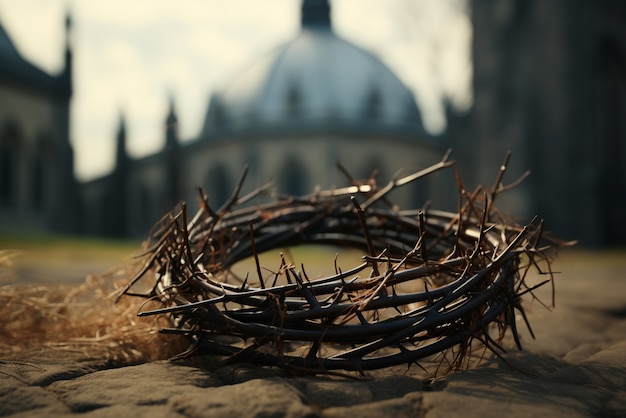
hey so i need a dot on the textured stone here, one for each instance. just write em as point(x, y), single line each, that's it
point(575, 368)
point(146, 384)
point(135, 411)
point(409, 406)
point(324, 394)
point(239, 373)
point(501, 392)
point(253, 398)
point(16, 397)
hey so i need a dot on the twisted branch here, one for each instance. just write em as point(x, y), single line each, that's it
point(464, 269)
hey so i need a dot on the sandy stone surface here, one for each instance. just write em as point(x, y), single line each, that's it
point(575, 368)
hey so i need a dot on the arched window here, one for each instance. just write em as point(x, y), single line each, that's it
point(373, 104)
point(9, 169)
point(293, 178)
point(219, 185)
point(38, 174)
point(6, 177)
point(37, 182)
point(294, 101)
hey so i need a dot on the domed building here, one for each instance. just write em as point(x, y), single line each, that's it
point(316, 79)
point(290, 117)
point(313, 101)
point(553, 94)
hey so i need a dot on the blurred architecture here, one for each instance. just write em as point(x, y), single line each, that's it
point(290, 117)
point(37, 186)
point(549, 85)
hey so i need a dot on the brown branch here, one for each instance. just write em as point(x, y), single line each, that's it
point(464, 266)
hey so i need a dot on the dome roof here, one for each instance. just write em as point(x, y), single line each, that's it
point(316, 79)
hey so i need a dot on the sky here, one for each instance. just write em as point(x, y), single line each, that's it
point(131, 56)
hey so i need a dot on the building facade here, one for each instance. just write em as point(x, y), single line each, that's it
point(549, 84)
point(290, 117)
point(38, 190)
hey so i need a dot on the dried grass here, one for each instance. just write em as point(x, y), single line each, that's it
point(41, 320)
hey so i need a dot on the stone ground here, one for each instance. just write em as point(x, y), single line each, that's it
point(575, 368)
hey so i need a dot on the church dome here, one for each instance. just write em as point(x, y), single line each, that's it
point(316, 80)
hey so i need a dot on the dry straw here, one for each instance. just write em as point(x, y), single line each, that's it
point(49, 322)
point(430, 282)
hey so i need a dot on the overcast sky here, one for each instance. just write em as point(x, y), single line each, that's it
point(130, 55)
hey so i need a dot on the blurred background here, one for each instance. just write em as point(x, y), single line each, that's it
point(112, 112)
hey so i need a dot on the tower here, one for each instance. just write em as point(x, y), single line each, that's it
point(173, 193)
point(117, 198)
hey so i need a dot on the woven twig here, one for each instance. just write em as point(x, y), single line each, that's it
point(464, 270)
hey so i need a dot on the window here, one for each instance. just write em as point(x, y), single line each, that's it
point(373, 105)
point(218, 186)
point(8, 168)
point(294, 178)
point(37, 186)
point(294, 101)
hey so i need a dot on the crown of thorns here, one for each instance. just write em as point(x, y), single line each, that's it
point(465, 273)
